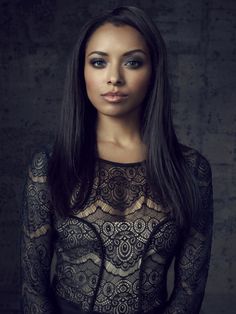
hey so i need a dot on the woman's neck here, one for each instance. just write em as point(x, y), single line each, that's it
point(119, 139)
point(122, 131)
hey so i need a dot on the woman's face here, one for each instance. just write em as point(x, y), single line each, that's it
point(117, 69)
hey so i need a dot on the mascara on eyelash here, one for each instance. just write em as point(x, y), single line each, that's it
point(136, 61)
point(93, 62)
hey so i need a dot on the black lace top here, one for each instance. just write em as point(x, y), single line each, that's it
point(113, 255)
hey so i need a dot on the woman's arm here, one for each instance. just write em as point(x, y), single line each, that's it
point(192, 261)
point(36, 240)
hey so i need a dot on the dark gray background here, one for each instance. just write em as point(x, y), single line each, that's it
point(36, 38)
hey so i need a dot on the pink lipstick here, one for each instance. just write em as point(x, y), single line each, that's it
point(114, 97)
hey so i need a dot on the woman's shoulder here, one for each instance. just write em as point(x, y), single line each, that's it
point(199, 164)
point(39, 161)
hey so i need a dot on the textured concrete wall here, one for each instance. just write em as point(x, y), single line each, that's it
point(36, 38)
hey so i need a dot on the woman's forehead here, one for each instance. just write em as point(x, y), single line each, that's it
point(109, 37)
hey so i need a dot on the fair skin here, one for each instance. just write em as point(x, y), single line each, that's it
point(117, 60)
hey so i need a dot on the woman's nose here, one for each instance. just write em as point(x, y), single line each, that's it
point(115, 76)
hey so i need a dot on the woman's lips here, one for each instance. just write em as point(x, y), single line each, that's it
point(114, 97)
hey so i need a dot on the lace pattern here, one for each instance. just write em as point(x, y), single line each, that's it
point(113, 254)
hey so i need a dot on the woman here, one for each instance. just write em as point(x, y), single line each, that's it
point(118, 197)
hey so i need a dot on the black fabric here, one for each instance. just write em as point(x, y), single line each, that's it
point(67, 307)
point(113, 255)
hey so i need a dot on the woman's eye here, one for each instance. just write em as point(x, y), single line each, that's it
point(98, 63)
point(134, 64)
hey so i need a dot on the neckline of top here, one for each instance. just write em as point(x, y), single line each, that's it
point(124, 164)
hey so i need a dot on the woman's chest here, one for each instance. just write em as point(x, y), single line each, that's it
point(124, 238)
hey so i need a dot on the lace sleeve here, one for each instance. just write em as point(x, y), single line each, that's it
point(36, 244)
point(192, 261)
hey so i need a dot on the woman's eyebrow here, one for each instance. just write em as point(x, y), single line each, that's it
point(134, 51)
point(130, 52)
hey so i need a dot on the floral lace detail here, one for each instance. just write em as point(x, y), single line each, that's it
point(114, 253)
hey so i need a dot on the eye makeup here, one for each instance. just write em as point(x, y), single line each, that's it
point(97, 62)
point(132, 62)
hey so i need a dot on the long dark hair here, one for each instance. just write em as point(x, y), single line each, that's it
point(73, 158)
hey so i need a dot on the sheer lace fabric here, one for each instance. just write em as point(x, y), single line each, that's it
point(113, 254)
